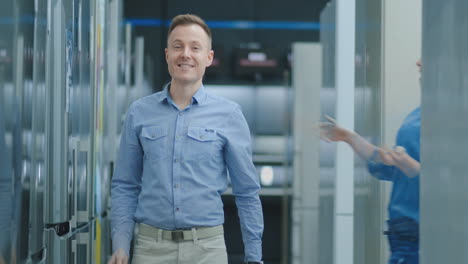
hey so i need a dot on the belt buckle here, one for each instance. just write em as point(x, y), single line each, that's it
point(177, 236)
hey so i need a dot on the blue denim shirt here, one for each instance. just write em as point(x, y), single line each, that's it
point(172, 168)
point(404, 201)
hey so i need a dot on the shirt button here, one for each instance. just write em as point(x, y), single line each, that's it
point(180, 113)
point(176, 186)
point(177, 209)
point(176, 160)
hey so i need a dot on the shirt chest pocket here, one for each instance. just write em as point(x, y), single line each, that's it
point(154, 142)
point(203, 144)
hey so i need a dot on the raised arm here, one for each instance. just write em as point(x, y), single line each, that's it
point(397, 157)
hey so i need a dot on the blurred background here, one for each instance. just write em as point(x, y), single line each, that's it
point(70, 68)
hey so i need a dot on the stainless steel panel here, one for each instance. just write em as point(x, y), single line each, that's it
point(47, 111)
point(367, 196)
point(7, 100)
point(106, 81)
point(57, 183)
point(37, 188)
point(77, 87)
point(16, 45)
point(82, 99)
point(307, 84)
point(6, 175)
point(443, 230)
point(58, 249)
point(327, 107)
point(72, 248)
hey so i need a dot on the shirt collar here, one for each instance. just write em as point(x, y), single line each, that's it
point(199, 97)
point(164, 96)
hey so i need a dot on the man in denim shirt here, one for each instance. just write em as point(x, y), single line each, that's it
point(175, 149)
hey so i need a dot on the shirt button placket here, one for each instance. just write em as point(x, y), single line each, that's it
point(177, 163)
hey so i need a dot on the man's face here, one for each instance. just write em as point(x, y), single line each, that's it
point(188, 53)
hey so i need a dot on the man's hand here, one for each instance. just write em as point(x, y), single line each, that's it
point(119, 257)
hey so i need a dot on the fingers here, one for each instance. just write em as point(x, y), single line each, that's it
point(112, 260)
point(385, 156)
point(323, 130)
point(400, 156)
point(383, 151)
point(398, 153)
point(328, 130)
point(325, 138)
point(326, 125)
point(123, 260)
point(395, 156)
point(331, 120)
point(119, 257)
point(400, 150)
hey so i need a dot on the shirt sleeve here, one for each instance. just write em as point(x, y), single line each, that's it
point(245, 184)
point(126, 185)
point(381, 171)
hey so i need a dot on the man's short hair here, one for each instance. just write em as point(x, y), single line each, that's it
point(188, 19)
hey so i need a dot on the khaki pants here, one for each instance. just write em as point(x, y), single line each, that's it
point(155, 250)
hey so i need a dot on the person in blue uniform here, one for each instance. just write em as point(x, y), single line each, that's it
point(175, 150)
point(401, 166)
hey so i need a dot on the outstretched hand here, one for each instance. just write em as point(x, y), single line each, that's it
point(330, 131)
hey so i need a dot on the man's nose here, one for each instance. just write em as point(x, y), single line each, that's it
point(186, 52)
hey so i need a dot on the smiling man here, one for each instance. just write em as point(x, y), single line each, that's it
point(176, 148)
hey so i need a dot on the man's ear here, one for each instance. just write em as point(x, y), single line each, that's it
point(210, 57)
